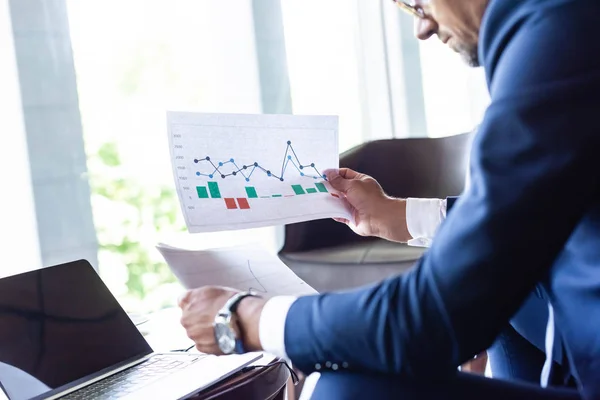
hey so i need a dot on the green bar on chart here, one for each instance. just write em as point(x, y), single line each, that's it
point(321, 187)
point(251, 192)
point(298, 189)
point(215, 193)
point(202, 192)
point(311, 190)
point(277, 195)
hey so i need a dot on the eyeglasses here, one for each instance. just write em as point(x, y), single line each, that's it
point(410, 7)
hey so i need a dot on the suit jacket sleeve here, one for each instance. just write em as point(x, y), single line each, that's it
point(539, 138)
point(450, 201)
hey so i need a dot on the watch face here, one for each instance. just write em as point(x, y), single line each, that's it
point(225, 337)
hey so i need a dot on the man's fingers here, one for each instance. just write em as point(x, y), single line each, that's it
point(184, 299)
point(342, 220)
point(341, 179)
point(331, 171)
point(199, 307)
point(348, 173)
point(337, 182)
point(213, 349)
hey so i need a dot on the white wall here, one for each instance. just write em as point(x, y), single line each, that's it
point(19, 247)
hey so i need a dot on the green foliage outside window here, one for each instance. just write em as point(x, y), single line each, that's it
point(131, 217)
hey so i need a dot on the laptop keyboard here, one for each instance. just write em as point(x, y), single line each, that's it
point(134, 378)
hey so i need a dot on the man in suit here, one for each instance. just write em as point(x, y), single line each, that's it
point(530, 219)
point(518, 351)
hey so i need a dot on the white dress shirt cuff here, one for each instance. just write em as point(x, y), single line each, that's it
point(423, 217)
point(271, 326)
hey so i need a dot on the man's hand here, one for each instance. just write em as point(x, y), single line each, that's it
point(477, 365)
point(200, 306)
point(374, 212)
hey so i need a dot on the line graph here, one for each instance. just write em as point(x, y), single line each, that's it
point(246, 171)
point(253, 289)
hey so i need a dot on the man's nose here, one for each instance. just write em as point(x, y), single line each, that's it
point(425, 28)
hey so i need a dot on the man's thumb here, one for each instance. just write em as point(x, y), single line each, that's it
point(184, 298)
point(337, 182)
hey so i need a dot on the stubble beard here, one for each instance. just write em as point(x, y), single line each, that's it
point(470, 55)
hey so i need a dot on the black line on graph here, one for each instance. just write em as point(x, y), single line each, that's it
point(257, 281)
point(247, 170)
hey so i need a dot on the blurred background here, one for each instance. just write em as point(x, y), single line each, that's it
point(84, 86)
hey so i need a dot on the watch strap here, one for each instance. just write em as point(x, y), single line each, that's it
point(232, 304)
point(239, 346)
point(229, 308)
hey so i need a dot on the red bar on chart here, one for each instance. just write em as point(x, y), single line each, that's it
point(230, 203)
point(335, 195)
point(243, 203)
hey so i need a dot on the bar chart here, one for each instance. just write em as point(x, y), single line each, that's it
point(242, 203)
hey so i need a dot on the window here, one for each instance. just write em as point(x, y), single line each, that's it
point(323, 63)
point(455, 94)
point(151, 57)
point(136, 59)
point(18, 230)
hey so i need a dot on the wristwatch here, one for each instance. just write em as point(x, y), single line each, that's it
point(226, 338)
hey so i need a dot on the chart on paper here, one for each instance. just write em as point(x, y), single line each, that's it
point(246, 171)
point(248, 267)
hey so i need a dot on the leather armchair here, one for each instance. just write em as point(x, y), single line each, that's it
point(329, 256)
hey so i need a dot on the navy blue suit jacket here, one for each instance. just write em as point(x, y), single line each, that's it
point(531, 216)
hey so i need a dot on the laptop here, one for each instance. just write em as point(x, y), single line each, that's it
point(64, 335)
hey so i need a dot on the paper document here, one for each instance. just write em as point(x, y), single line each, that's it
point(245, 268)
point(247, 171)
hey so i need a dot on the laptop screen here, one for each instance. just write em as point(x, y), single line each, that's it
point(59, 325)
